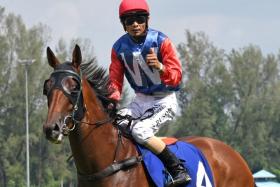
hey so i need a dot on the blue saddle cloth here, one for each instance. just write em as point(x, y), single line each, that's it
point(192, 158)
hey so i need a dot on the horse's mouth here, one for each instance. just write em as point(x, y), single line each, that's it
point(53, 133)
point(58, 139)
point(55, 137)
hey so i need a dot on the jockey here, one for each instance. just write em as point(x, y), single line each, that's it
point(148, 60)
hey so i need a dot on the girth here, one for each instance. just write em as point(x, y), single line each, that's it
point(113, 168)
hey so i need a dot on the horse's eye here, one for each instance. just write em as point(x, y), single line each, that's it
point(48, 85)
point(70, 85)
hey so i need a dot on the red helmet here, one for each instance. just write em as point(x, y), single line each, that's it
point(127, 6)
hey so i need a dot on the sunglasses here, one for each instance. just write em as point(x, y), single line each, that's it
point(139, 19)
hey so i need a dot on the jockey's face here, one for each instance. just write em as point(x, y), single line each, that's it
point(136, 25)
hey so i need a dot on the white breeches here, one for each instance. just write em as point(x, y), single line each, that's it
point(151, 113)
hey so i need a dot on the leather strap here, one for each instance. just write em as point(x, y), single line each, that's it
point(116, 166)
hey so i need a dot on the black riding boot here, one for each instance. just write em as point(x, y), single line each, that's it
point(174, 167)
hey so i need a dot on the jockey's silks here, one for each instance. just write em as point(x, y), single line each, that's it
point(129, 58)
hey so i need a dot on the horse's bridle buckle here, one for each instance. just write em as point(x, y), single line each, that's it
point(65, 128)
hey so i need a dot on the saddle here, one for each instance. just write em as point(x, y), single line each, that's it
point(191, 157)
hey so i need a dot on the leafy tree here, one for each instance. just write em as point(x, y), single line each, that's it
point(17, 42)
point(232, 97)
point(48, 166)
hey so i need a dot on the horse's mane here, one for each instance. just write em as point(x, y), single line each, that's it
point(98, 80)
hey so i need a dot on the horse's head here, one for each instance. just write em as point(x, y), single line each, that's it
point(64, 93)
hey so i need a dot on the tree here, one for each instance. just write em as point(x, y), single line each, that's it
point(48, 164)
point(232, 97)
point(17, 42)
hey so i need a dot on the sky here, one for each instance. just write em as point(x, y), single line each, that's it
point(228, 24)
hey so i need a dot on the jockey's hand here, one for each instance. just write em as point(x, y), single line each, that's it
point(112, 109)
point(153, 61)
point(112, 106)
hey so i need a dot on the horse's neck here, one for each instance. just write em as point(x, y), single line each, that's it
point(92, 147)
point(95, 147)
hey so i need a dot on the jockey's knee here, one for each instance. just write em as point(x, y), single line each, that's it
point(141, 136)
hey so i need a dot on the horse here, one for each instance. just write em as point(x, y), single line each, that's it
point(77, 98)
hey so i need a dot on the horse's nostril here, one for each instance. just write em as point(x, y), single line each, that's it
point(52, 130)
point(48, 132)
point(56, 127)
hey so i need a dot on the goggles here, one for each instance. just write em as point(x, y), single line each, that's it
point(70, 83)
point(131, 19)
point(67, 81)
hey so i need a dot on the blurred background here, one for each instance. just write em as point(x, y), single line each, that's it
point(230, 56)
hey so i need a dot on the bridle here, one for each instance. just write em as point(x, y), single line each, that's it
point(75, 97)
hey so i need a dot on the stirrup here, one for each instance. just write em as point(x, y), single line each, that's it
point(173, 183)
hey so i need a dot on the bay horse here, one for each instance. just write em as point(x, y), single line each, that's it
point(77, 97)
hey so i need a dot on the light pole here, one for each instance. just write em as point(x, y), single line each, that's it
point(26, 63)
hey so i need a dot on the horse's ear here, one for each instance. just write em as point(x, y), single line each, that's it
point(53, 61)
point(76, 57)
